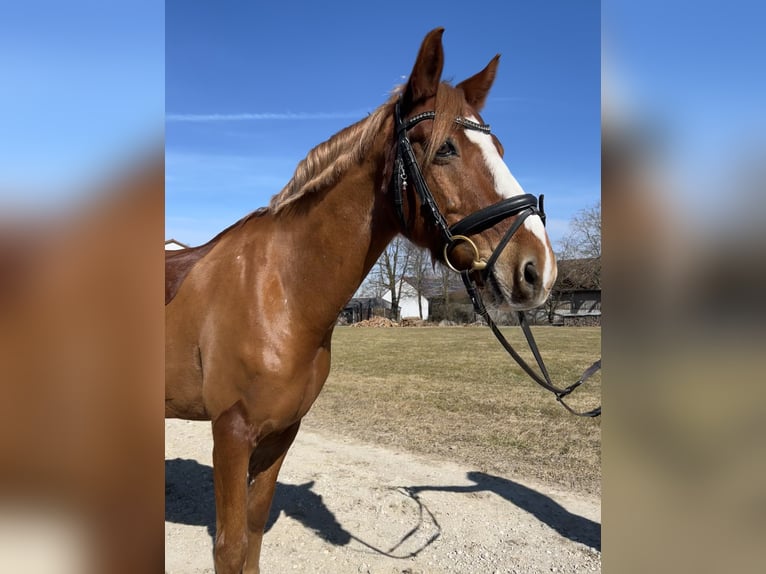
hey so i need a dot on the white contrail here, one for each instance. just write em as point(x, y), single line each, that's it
point(265, 116)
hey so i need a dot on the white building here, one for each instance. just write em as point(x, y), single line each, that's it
point(408, 302)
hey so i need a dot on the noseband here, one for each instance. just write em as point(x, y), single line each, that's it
point(406, 169)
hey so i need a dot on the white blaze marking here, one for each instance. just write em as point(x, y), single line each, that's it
point(507, 186)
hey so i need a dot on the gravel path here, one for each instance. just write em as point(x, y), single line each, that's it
point(344, 507)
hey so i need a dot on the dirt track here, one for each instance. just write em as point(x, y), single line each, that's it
point(344, 507)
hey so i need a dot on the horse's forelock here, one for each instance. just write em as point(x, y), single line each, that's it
point(448, 105)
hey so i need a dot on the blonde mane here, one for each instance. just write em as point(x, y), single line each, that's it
point(326, 163)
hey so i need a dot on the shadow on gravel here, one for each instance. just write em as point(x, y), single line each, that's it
point(299, 503)
point(190, 499)
point(576, 528)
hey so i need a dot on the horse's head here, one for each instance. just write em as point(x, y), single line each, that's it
point(439, 129)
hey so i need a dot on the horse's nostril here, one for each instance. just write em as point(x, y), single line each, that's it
point(530, 273)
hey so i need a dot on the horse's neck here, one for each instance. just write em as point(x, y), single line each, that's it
point(331, 243)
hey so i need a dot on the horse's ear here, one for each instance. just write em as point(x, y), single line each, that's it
point(477, 87)
point(427, 71)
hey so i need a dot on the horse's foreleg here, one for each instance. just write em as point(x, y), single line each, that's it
point(231, 452)
point(265, 463)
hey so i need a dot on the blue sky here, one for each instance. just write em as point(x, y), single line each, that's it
point(251, 87)
point(84, 83)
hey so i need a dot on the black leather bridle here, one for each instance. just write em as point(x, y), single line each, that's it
point(406, 170)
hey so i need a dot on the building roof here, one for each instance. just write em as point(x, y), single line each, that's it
point(579, 275)
point(434, 286)
point(173, 242)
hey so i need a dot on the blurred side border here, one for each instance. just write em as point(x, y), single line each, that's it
point(81, 274)
point(684, 472)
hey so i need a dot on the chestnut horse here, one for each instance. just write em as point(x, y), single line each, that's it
point(250, 314)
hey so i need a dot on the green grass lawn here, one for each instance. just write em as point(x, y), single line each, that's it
point(453, 393)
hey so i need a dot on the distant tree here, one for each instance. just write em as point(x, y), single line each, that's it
point(419, 271)
point(372, 286)
point(579, 257)
point(389, 271)
point(583, 239)
point(449, 283)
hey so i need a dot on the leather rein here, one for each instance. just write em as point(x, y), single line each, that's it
point(406, 170)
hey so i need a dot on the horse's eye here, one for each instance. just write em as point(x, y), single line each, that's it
point(447, 149)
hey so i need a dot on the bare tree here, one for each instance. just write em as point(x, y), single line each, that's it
point(448, 283)
point(390, 269)
point(418, 271)
point(579, 257)
point(584, 237)
point(372, 286)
